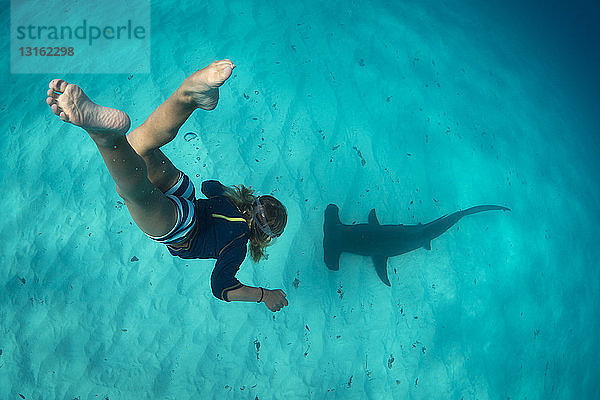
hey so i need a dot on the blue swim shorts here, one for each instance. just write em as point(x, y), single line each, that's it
point(182, 194)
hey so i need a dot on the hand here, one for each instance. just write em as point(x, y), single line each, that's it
point(274, 299)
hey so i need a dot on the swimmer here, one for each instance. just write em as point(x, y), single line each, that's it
point(161, 199)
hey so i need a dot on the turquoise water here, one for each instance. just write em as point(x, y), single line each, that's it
point(414, 109)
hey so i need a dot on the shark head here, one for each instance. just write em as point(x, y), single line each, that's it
point(331, 247)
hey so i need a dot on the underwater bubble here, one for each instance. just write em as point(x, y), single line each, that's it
point(189, 136)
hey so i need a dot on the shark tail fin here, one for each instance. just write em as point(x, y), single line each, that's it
point(478, 209)
point(454, 217)
point(331, 247)
point(442, 224)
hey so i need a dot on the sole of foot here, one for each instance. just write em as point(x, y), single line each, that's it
point(201, 88)
point(72, 105)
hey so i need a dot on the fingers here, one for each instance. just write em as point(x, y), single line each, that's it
point(282, 303)
point(276, 302)
point(277, 306)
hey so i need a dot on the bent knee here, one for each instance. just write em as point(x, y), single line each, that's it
point(120, 192)
point(124, 196)
point(135, 196)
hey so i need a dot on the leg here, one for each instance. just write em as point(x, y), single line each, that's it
point(200, 90)
point(151, 210)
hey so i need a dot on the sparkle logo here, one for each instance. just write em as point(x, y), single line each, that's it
point(80, 36)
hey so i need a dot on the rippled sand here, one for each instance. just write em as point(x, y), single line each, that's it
point(415, 111)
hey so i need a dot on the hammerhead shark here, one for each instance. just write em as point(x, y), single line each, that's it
point(383, 241)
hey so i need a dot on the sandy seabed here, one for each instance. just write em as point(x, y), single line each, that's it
point(361, 107)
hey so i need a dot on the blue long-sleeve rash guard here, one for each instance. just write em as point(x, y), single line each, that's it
point(221, 232)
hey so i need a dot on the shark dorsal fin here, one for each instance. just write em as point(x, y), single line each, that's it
point(373, 218)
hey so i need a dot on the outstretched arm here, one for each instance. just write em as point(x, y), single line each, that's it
point(225, 285)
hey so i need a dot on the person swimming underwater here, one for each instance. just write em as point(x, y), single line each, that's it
point(161, 199)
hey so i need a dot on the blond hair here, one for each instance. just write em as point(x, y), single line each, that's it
point(275, 212)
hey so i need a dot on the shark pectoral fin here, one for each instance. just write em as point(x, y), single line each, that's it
point(381, 268)
point(427, 246)
point(373, 218)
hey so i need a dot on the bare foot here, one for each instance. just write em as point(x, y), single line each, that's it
point(202, 87)
point(72, 105)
